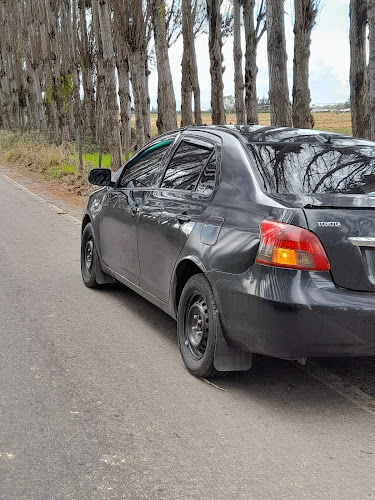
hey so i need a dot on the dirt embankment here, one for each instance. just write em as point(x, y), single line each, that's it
point(55, 168)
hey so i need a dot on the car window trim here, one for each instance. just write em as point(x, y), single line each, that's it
point(174, 136)
point(203, 169)
point(194, 141)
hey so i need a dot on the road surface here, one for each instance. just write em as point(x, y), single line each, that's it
point(95, 402)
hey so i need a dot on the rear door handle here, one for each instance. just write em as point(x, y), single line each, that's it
point(183, 218)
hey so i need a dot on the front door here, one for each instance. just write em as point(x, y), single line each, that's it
point(121, 208)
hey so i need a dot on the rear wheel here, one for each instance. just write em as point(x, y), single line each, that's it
point(89, 258)
point(196, 327)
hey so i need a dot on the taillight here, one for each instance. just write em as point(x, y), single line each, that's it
point(283, 245)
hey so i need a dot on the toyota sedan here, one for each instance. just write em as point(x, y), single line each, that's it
point(255, 239)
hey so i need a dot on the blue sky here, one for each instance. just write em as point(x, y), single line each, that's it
point(329, 63)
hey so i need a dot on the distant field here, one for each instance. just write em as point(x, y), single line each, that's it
point(330, 122)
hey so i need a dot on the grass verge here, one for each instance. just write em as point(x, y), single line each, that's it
point(59, 163)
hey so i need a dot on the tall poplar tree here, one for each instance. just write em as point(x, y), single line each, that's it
point(189, 68)
point(255, 27)
point(237, 59)
point(358, 69)
point(305, 16)
point(277, 64)
point(216, 67)
point(167, 118)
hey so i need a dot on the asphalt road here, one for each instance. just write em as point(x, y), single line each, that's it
point(95, 402)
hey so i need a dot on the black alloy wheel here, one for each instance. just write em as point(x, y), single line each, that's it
point(89, 258)
point(196, 327)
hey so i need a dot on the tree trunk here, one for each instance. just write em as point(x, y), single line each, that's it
point(305, 15)
point(86, 63)
point(186, 85)
point(122, 63)
point(43, 56)
point(195, 85)
point(7, 59)
point(277, 64)
point(76, 84)
point(189, 77)
point(123, 72)
point(104, 32)
point(358, 69)
point(216, 58)
point(146, 96)
point(237, 58)
point(132, 18)
point(66, 78)
point(167, 118)
point(371, 67)
point(136, 80)
point(253, 34)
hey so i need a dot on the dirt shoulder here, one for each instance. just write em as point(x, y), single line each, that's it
point(52, 190)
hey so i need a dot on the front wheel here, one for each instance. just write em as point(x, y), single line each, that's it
point(197, 324)
point(89, 258)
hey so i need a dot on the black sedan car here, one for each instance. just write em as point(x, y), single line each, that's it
point(256, 239)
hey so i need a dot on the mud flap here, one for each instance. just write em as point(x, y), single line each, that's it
point(101, 277)
point(228, 358)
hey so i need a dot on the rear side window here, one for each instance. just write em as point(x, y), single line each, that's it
point(143, 170)
point(186, 166)
point(297, 168)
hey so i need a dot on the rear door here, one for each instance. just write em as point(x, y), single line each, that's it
point(169, 215)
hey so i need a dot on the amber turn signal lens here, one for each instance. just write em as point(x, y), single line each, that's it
point(283, 256)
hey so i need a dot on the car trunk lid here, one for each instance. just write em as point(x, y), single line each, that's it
point(345, 225)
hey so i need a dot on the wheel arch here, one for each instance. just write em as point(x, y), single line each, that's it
point(186, 268)
point(86, 220)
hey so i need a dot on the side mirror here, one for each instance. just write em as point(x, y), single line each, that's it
point(100, 177)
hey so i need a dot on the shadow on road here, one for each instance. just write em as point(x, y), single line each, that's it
point(282, 384)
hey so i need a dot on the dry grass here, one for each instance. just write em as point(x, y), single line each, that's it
point(330, 122)
point(54, 162)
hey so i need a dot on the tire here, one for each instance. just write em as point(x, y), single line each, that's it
point(89, 258)
point(197, 324)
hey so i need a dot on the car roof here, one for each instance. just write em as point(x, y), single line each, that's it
point(258, 134)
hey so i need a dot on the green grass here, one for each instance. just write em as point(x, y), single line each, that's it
point(55, 171)
point(94, 159)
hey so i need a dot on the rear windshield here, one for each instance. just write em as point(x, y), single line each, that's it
point(315, 168)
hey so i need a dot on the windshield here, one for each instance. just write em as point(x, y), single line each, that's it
point(308, 168)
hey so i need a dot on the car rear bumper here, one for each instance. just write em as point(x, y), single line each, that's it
point(290, 314)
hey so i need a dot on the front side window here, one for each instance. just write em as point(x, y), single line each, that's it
point(186, 166)
point(143, 170)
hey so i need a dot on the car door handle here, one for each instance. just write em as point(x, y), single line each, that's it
point(183, 218)
point(134, 208)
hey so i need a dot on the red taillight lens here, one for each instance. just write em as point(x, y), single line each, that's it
point(283, 245)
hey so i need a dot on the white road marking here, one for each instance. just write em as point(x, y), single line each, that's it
point(41, 200)
point(329, 379)
point(350, 392)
